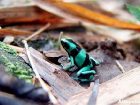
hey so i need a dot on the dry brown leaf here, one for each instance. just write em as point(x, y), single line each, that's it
point(113, 90)
point(26, 14)
point(120, 35)
point(93, 16)
point(13, 32)
point(54, 53)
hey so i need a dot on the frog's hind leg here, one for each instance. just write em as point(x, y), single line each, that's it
point(86, 74)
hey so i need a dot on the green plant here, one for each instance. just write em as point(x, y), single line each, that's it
point(134, 10)
point(14, 64)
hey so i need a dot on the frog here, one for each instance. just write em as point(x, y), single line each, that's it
point(80, 58)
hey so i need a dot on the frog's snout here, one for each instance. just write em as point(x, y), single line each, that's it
point(63, 40)
point(64, 43)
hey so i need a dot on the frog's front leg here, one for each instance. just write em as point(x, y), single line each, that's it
point(71, 63)
point(94, 62)
point(86, 74)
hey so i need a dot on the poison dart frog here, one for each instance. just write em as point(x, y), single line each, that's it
point(81, 59)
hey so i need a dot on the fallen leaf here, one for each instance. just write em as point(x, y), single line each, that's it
point(93, 16)
point(113, 90)
point(26, 14)
point(13, 32)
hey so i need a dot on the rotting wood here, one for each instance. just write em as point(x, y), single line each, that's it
point(62, 85)
point(8, 96)
point(12, 99)
point(113, 90)
point(37, 75)
point(131, 100)
point(119, 87)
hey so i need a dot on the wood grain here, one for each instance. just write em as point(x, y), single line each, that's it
point(113, 90)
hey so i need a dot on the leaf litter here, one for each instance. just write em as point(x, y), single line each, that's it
point(110, 40)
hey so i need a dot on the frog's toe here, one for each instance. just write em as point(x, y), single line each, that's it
point(91, 78)
point(91, 72)
point(86, 78)
point(66, 68)
point(95, 62)
point(61, 65)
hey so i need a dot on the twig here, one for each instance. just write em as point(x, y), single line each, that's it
point(133, 37)
point(120, 66)
point(18, 49)
point(60, 36)
point(43, 84)
point(94, 94)
point(38, 32)
point(59, 39)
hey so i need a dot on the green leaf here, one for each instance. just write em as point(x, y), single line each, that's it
point(134, 10)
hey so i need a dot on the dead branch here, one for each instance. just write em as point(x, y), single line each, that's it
point(113, 90)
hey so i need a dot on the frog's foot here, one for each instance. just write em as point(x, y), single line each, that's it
point(73, 68)
point(67, 68)
point(94, 62)
point(85, 79)
point(86, 75)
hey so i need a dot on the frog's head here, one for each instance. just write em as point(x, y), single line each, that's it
point(68, 44)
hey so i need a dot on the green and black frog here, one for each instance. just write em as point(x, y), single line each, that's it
point(79, 57)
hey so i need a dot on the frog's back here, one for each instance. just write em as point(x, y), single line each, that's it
point(82, 59)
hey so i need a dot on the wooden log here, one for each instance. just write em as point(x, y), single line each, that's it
point(113, 90)
point(63, 86)
point(9, 93)
point(131, 100)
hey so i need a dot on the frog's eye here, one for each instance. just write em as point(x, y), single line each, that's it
point(65, 44)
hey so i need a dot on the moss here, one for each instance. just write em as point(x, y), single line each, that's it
point(15, 64)
point(7, 49)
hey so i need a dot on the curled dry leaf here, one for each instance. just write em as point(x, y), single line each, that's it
point(13, 32)
point(51, 54)
point(26, 14)
point(91, 16)
point(54, 56)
